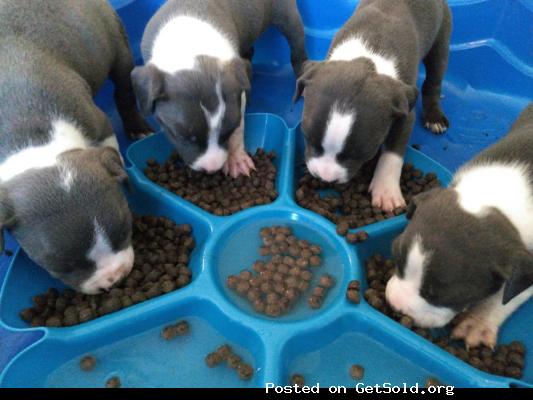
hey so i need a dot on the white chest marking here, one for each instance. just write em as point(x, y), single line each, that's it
point(64, 136)
point(355, 47)
point(338, 127)
point(215, 156)
point(183, 38)
point(506, 187)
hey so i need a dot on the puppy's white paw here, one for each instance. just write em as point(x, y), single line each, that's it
point(436, 127)
point(387, 196)
point(476, 330)
point(238, 163)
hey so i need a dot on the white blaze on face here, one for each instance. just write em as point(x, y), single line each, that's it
point(327, 167)
point(110, 266)
point(403, 294)
point(215, 156)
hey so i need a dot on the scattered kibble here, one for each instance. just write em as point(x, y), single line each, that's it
point(234, 361)
point(274, 285)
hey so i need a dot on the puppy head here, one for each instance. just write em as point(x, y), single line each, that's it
point(73, 219)
point(198, 109)
point(348, 111)
point(448, 259)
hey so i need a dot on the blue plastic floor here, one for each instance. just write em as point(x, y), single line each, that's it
point(489, 81)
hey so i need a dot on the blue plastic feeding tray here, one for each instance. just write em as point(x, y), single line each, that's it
point(489, 80)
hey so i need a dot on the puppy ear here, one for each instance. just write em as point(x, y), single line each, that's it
point(241, 70)
point(110, 159)
point(6, 215)
point(521, 277)
point(148, 85)
point(308, 70)
point(404, 100)
point(419, 199)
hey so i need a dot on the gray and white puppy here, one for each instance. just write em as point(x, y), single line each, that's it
point(196, 75)
point(469, 247)
point(361, 98)
point(60, 170)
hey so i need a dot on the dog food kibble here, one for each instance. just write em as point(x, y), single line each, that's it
point(298, 380)
point(432, 382)
point(162, 252)
point(245, 371)
point(507, 360)
point(218, 194)
point(113, 383)
point(234, 361)
point(350, 207)
point(171, 331)
point(357, 372)
point(273, 286)
point(88, 363)
point(352, 294)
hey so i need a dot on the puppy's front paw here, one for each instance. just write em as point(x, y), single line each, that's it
point(475, 330)
point(238, 163)
point(139, 130)
point(435, 121)
point(387, 196)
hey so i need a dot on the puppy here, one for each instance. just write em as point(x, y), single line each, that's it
point(196, 76)
point(60, 170)
point(469, 247)
point(361, 98)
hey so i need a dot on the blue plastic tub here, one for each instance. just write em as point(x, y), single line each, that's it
point(490, 79)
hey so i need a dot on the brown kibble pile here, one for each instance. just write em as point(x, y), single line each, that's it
point(272, 287)
point(507, 360)
point(217, 193)
point(352, 293)
point(350, 206)
point(233, 361)
point(171, 331)
point(162, 251)
point(320, 291)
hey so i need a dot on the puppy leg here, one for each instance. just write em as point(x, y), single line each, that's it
point(238, 162)
point(481, 324)
point(134, 124)
point(385, 185)
point(287, 19)
point(436, 63)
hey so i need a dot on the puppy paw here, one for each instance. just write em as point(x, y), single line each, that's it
point(475, 331)
point(388, 197)
point(140, 130)
point(435, 121)
point(238, 163)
